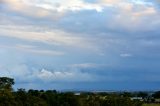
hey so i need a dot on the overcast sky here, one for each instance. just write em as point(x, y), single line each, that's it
point(81, 44)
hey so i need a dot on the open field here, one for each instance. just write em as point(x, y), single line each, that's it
point(151, 105)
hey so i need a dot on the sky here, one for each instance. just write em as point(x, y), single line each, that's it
point(81, 44)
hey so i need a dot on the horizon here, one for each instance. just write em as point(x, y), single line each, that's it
point(81, 44)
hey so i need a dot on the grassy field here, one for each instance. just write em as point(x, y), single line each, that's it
point(151, 105)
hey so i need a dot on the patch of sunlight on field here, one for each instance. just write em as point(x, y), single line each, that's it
point(151, 105)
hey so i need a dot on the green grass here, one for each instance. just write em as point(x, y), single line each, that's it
point(151, 105)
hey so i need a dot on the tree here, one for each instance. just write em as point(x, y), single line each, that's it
point(6, 95)
point(142, 94)
point(156, 94)
point(127, 94)
point(6, 83)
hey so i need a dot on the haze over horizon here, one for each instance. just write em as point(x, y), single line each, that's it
point(81, 44)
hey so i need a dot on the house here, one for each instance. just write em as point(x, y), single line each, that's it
point(157, 100)
point(136, 98)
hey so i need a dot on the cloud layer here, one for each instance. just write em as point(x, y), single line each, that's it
point(80, 41)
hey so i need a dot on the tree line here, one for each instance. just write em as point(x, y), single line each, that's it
point(21, 97)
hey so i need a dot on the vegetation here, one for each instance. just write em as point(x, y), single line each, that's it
point(156, 94)
point(152, 104)
point(21, 97)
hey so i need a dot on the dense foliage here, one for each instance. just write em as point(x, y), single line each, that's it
point(21, 97)
point(53, 98)
point(156, 94)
